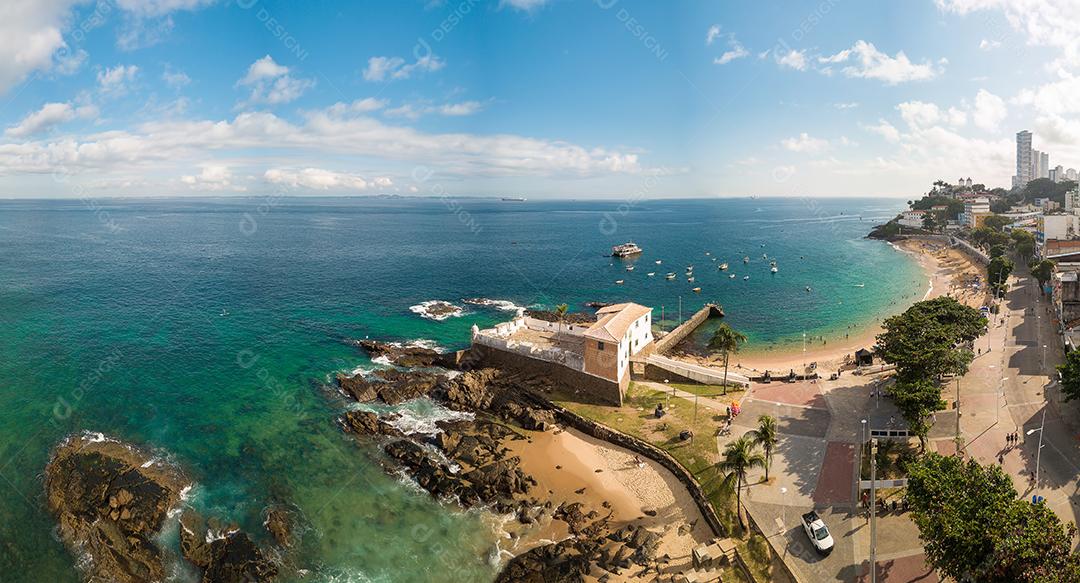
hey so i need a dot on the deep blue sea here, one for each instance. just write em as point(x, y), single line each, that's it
point(208, 329)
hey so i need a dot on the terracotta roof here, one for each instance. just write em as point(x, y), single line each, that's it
point(613, 321)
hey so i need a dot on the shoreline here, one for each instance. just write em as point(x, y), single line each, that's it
point(945, 269)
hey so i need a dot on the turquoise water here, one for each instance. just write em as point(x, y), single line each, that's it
point(208, 328)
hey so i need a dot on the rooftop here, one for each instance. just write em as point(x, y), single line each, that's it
point(613, 321)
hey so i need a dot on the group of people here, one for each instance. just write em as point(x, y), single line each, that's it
point(1011, 440)
point(884, 505)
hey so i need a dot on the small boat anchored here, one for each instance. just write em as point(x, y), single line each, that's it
point(746, 259)
point(696, 290)
point(658, 262)
point(723, 266)
point(618, 282)
point(860, 285)
point(732, 276)
point(629, 267)
point(746, 277)
point(670, 276)
point(690, 279)
point(773, 269)
point(651, 273)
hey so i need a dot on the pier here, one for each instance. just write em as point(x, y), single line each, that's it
point(673, 338)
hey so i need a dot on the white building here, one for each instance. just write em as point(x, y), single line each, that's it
point(1060, 227)
point(1057, 173)
point(1024, 162)
point(1070, 174)
point(620, 331)
point(912, 218)
point(973, 210)
point(1072, 201)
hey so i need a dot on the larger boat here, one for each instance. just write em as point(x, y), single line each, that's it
point(625, 250)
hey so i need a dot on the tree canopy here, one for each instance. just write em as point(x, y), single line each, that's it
point(1023, 242)
point(974, 528)
point(1042, 271)
point(997, 273)
point(1046, 188)
point(996, 222)
point(1070, 376)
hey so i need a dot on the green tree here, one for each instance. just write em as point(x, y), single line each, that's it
point(974, 528)
point(1023, 243)
point(1070, 376)
point(997, 274)
point(739, 457)
point(986, 237)
point(1042, 271)
point(996, 222)
point(560, 311)
point(917, 399)
point(929, 222)
point(765, 436)
point(997, 251)
point(726, 340)
point(885, 463)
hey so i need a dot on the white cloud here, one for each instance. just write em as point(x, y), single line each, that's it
point(416, 110)
point(990, 111)
point(920, 114)
point(272, 84)
point(804, 143)
point(116, 79)
point(68, 63)
point(846, 105)
point(212, 177)
point(30, 38)
point(175, 79)
point(988, 45)
point(885, 130)
point(1042, 22)
point(319, 179)
point(866, 61)
point(50, 115)
point(395, 68)
point(712, 34)
point(736, 52)
point(793, 59)
point(526, 5)
point(365, 105)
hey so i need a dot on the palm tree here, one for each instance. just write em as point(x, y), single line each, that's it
point(726, 340)
point(560, 311)
point(765, 435)
point(739, 457)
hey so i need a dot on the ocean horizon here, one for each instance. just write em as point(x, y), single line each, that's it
point(211, 330)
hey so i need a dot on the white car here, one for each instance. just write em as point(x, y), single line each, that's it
point(817, 531)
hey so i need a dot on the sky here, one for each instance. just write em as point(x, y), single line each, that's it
point(612, 99)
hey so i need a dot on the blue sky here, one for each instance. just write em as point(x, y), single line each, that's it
point(542, 98)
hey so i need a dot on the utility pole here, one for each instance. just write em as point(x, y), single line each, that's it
point(1038, 455)
point(873, 510)
point(958, 414)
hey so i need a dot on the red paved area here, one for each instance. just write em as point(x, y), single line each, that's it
point(804, 394)
point(945, 447)
point(834, 483)
point(909, 569)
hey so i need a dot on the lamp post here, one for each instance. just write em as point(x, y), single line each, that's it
point(1038, 454)
point(873, 511)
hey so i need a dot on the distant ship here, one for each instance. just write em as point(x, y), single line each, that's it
point(513, 199)
point(625, 250)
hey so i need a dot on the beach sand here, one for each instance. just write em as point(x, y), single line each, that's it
point(574, 467)
point(948, 272)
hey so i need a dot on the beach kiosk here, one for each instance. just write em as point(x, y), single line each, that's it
point(864, 357)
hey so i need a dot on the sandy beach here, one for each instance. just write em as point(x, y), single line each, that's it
point(573, 467)
point(948, 271)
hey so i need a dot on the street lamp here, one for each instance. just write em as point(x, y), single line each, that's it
point(1038, 454)
point(873, 511)
point(783, 512)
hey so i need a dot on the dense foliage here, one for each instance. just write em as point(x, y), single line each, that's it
point(1070, 376)
point(974, 528)
point(1042, 271)
point(998, 272)
point(1023, 242)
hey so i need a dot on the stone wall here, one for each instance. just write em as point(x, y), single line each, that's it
point(589, 388)
point(673, 338)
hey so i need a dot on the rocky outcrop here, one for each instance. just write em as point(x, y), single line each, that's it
point(225, 554)
point(402, 355)
point(391, 386)
point(110, 500)
point(367, 423)
point(280, 523)
point(594, 550)
point(499, 393)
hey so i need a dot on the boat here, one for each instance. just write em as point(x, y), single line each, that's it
point(625, 250)
point(618, 282)
point(658, 262)
point(651, 273)
point(723, 266)
point(690, 279)
point(860, 285)
point(773, 269)
point(629, 267)
point(732, 276)
point(224, 312)
point(696, 290)
point(745, 277)
point(707, 253)
point(808, 289)
point(670, 276)
point(746, 259)
point(513, 199)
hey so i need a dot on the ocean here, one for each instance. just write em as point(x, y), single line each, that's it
point(209, 329)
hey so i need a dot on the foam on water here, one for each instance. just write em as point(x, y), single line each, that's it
point(445, 310)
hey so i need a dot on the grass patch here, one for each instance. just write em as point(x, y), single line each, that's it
point(698, 455)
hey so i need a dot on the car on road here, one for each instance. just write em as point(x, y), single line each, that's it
point(817, 531)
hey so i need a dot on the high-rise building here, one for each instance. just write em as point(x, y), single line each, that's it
point(1024, 163)
point(1070, 174)
point(1044, 165)
point(1072, 201)
point(1057, 173)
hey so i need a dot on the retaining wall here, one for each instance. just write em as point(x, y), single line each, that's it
point(671, 339)
point(591, 388)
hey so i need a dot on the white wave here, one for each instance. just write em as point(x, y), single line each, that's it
point(383, 360)
point(446, 310)
point(504, 305)
point(419, 416)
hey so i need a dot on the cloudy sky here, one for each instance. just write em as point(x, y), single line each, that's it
point(538, 98)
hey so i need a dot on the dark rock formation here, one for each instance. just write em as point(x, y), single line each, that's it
point(563, 562)
point(358, 387)
point(279, 522)
point(230, 556)
point(110, 504)
point(367, 423)
point(406, 356)
point(392, 386)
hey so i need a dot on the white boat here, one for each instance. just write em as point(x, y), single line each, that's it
point(732, 276)
point(773, 269)
point(723, 266)
point(618, 282)
point(658, 262)
point(690, 279)
point(746, 259)
point(651, 273)
point(707, 253)
point(625, 250)
point(629, 267)
point(808, 289)
point(860, 285)
point(670, 276)
point(745, 277)
point(696, 290)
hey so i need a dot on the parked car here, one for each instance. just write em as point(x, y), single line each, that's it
point(817, 531)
